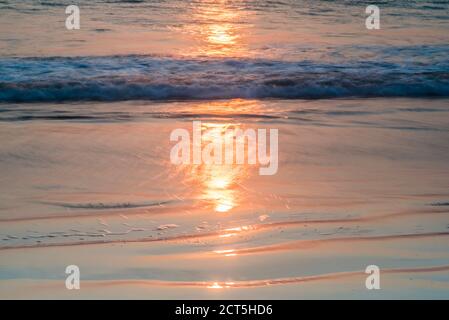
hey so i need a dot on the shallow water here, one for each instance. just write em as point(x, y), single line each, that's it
point(360, 181)
point(86, 177)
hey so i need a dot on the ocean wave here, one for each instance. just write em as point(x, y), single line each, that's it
point(119, 78)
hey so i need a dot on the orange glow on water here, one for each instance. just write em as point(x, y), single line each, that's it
point(219, 31)
point(220, 187)
point(215, 285)
point(219, 181)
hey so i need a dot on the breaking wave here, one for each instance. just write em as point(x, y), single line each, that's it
point(119, 78)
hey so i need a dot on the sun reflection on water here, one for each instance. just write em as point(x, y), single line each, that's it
point(215, 185)
point(218, 29)
point(219, 181)
point(220, 187)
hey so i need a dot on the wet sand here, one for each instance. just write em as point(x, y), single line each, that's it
point(360, 182)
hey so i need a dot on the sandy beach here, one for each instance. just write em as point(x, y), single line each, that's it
point(361, 171)
point(140, 227)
